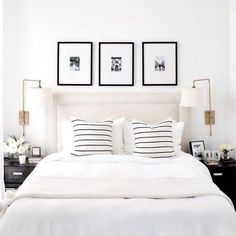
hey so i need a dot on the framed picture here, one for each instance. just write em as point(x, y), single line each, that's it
point(207, 155)
point(74, 63)
point(216, 155)
point(116, 64)
point(36, 151)
point(159, 63)
point(197, 149)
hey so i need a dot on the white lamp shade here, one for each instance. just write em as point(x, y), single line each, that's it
point(193, 97)
point(40, 97)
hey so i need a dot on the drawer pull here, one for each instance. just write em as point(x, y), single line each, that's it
point(217, 174)
point(17, 173)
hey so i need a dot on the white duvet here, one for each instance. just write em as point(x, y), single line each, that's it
point(119, 195)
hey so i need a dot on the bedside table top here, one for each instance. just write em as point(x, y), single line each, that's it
point(10, 162)
point(220, 165)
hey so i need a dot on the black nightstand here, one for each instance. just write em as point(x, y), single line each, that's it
point(224, 176)
point(15, 174)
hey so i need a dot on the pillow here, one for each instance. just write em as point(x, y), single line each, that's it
point(117, 136)
point(129, 145)
point(155, 141)
point(91, 138)
point(178, 128)
point(67, 136)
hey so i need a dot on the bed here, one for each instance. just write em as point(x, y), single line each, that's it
point(119, 195)
point(122, 194)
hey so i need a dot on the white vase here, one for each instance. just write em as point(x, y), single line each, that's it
point(22, 159)
point(226, 156)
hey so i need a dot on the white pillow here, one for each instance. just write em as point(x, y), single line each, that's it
point(67, 136)
point(117, 136)
point(129, 145)
point(177, 131)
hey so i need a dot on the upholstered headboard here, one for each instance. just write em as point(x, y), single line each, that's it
point(148, 107)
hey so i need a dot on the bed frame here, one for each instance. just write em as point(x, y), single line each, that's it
point(148, 107)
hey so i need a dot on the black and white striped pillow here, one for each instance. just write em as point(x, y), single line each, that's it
point(153, 140)
point(91, 138)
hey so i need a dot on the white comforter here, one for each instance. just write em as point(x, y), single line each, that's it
point(72, 203)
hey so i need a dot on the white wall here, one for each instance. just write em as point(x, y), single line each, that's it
point(232, 124)
point(32, 29)
point(1, 98)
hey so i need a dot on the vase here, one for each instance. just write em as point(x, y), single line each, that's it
point(22, 159)
point(226, 156)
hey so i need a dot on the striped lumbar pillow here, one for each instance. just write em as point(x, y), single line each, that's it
point(91, 138)
point(153, 140)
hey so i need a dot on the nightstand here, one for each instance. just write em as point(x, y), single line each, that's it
point(15, 174)
point(224, 176)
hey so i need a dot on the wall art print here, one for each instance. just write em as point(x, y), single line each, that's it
point(74, 63)
point(159, 63)
point(116, 63)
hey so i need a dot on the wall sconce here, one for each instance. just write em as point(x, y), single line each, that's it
point(39, 97)
point(194, 97)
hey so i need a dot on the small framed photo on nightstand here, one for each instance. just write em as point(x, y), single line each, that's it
point(197, 149)
point(36, 151)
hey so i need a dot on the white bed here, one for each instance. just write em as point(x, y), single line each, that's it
point(118, 195)
point(183, 200)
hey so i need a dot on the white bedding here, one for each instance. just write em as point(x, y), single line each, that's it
point(175, 213)
point(120, 166)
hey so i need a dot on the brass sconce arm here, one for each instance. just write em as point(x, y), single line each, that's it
point(210, 114)
point(24, 115)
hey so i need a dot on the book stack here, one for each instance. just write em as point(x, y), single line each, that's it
point(34, 160)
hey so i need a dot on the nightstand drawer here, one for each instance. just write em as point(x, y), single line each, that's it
point(224, 176)
point(16, 174)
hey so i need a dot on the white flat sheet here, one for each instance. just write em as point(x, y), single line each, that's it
point(208, 215)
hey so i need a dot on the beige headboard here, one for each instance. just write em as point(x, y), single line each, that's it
point(148, 107)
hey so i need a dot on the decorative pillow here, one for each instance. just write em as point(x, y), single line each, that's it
point(153, 141)
point(129, 146)
point(91, 138)
point(117, 136)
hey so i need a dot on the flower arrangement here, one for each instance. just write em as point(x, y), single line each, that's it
point(226, 148)
point(16, 145)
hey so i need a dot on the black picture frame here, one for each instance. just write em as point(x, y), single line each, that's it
point(175, 58)
point(198, 153)
point(100, 79)
point(36, 151)
point(90, 76)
